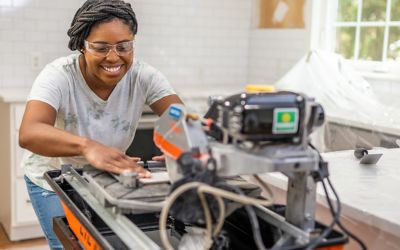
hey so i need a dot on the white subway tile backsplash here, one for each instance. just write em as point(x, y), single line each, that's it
point(12, 35)
point(6, 11)
point(273, 52)
point(35, 14)
point(21, 3)
point(203, 42)
point(180, 37)
point(6, 46)
point(5, 3)
point(25, 24)
point(34, 36)
point(5, 21)
point(57, 37)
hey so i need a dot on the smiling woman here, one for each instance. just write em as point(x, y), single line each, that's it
point(102, 65)
point(84, 108)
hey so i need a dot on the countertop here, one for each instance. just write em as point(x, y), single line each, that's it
point(14, 95)
point(369, 193)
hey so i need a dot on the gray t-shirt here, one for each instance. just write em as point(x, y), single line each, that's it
point(80, 111)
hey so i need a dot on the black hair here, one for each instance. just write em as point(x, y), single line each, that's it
point(94, 12)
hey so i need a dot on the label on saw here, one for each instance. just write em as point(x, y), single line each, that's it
point(286, 121)
point(175, 113)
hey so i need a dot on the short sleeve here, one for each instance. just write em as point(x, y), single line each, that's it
point(156, 84)
point(48, 85)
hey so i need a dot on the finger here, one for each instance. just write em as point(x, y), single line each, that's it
point(142, 173)
point(125, 161)
point(122, 163)
point(159, 158)
point(145, 174)
point(113, 169)
point(135, 159)
point(132, 165)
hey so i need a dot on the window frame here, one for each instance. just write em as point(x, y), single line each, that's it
point(324, 36)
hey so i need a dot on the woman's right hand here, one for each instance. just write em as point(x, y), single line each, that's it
point(111, 159)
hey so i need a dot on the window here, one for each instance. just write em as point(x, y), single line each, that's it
point(367, 30)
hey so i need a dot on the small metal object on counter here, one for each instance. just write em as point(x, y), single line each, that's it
point(129, 179)
point(370, 159)
point(65, 168)
point(360, 152)
point(365, 157)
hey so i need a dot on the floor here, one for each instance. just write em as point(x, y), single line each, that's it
point(36, 244)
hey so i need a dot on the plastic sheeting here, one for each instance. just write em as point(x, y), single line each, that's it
point(356, 118)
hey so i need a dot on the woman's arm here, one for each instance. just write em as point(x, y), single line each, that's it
point(38, 134)
point(161, 105)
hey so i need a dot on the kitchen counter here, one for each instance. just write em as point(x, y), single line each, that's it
point(13, 95)
point(368, 192)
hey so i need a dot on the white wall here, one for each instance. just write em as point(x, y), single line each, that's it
point(200, 45)
point(273, 52)
point(31, 28)
point(193, 42)
point(196, 42)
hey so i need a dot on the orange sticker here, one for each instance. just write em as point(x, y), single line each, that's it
point(80, 231)
point(167, 147)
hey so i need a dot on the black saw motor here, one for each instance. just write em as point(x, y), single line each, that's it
point(284, 117)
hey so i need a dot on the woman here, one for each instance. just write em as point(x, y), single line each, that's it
point(84, 108)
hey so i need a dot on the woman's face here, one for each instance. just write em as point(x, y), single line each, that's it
point(104, 72)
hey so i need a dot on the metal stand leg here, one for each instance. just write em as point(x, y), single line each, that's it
point(301, 197)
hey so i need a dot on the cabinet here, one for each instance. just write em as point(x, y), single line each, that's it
point(16, 213)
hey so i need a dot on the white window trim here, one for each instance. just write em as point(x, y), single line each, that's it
point(322, 37)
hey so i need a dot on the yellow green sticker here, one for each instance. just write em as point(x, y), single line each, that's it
point(286, 121)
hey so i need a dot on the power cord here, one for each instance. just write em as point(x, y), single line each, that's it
point(321, 175)
point(237, 195)
point(252, 218)
point(335, 220)
point(341, 226)
point(216, 192)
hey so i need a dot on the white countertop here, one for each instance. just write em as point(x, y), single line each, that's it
point(369, 193)
point(14, 95)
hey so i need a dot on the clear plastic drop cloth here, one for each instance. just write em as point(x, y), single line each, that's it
point(354, 115)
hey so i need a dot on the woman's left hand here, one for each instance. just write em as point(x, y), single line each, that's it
point(158, 158)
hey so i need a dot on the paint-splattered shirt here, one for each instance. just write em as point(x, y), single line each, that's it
point(80, 111)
